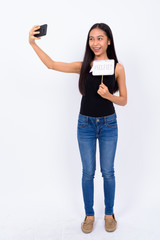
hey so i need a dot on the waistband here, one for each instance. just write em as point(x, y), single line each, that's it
point(108, 117)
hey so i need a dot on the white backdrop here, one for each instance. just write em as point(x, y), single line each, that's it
point(40, 165)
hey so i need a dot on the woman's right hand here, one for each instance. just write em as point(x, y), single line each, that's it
point(34, 30)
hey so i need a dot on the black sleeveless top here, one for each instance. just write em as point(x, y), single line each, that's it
point(92, 104)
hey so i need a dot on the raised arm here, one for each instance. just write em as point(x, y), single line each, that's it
point(73, 67)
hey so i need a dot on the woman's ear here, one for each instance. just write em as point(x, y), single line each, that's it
point(109, 41)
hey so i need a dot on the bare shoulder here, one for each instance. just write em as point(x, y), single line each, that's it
point(79, 65)
point(119, 70)
point(91, 64)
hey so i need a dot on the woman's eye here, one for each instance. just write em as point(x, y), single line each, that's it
point(92, 38)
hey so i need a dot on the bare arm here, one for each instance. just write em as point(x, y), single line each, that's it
point(121, 80)
point(73, 67)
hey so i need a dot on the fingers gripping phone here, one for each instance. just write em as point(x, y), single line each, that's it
point(42, 30)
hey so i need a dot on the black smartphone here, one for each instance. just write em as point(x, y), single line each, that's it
point(42, 30)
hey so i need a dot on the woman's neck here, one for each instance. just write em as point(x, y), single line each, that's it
point(101, 58)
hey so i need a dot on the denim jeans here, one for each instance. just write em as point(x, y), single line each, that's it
point(106, 130)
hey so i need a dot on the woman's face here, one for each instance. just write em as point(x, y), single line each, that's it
point(98, 42)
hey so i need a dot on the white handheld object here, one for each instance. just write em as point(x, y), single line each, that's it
point(103, 67)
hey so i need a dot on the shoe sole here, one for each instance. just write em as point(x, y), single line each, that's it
point(86, 231)
point(110, 230)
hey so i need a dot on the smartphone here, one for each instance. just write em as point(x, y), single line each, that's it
point(42, 30)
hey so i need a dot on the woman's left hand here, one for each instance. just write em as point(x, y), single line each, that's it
point(103, 91)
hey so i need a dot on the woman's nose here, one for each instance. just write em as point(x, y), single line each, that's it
point(95, 43)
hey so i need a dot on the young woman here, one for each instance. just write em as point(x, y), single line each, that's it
point(97, 118)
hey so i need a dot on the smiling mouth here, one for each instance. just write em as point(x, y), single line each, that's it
point(96, 49)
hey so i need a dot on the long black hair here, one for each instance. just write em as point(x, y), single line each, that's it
point(89, 56)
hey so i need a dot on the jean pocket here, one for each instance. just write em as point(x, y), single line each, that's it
point(82, 121)
point(112, 123)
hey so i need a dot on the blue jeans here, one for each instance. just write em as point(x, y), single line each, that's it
point(106, 130)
